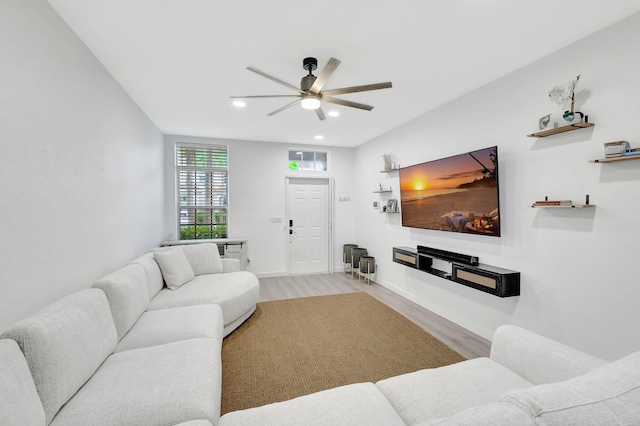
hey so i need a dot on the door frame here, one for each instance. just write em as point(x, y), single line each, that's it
point(330, 217)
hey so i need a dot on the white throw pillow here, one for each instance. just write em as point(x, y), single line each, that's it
point(204, 258)
point(606, 395)
point(176, 269)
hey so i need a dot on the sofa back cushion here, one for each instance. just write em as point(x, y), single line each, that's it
point(539, 359)
point(152, 272)
point(21, 405)
point(64, 344)
point(175, 267)
point(204, 258)
point(607, 395)
point(128, 295)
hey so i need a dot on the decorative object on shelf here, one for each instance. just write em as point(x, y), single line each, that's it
point(388, 161)
point(616, 159)
point(563, 204)
point(552, 203)
point(545, 123)
point(392, 205)
point(615, 149)
point(566, 95)
point(382, 189)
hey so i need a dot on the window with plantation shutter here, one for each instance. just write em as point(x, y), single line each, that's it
point(202, 173)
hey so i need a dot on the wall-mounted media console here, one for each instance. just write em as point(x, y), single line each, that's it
point(465, 270)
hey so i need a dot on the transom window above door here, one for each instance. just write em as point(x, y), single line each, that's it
point(308, 160)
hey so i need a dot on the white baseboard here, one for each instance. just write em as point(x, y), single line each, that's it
point(271, 274)
point(486, 334)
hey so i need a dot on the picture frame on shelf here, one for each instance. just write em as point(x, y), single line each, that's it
point(544, 123)
point(392, 205)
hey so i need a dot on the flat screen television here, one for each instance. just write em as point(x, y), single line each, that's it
point(457, 194)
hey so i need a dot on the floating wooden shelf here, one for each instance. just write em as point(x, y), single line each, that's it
point(389, 171)
point(383, 191)
point(569, 128)
point(573, 206)
point(614, 159)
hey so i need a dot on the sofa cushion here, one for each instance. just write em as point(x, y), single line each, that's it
point(607, 395)
point(496, 414)
point(204, 258)
point(235, 292)
point(64, 344)
point(152, 273)
point(358, 404)
point(176, 269)
point(128, 295)
point(159, 385)
point(20, 403)
point(174, 324)
point(445, 391)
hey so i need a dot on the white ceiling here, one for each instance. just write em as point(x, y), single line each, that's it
point(181, 60)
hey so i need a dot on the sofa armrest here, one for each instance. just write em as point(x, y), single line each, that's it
point(230, 265)
point(539, 359)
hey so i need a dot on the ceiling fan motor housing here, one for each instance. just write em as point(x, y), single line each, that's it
point(307, 82)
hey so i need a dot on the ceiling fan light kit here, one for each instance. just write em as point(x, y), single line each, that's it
point(310, 93)
point(310, 101)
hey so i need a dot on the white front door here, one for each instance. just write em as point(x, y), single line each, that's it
point(308, 220)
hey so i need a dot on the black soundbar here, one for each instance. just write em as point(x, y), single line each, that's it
point(448, 255)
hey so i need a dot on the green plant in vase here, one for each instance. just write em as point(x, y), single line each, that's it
point(565, 96)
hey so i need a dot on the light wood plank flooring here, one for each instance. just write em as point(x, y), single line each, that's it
point(461, 340)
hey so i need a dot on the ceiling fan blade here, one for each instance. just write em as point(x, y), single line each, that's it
point(277, 80)
point(320, 113)
point(346, 103)
point(284, 107)
point(265, 96)
point(363, 88)
point(321, 80)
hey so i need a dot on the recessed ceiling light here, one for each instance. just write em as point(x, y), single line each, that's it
point(333, 113)
point(318, 137)
point(239, 104)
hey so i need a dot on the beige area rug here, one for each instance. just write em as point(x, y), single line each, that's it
point(294, 347)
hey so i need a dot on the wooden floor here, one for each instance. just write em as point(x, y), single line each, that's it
point(461, 340)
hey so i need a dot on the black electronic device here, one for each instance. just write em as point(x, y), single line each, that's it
point(448, 255)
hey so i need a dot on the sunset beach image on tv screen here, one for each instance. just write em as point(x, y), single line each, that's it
point(458, 194)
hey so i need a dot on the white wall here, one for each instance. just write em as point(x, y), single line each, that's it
point(579, 277)
point(257, 193)
point(81, 168)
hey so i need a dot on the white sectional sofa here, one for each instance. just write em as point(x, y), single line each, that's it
point(527, 380)
point(129, 351)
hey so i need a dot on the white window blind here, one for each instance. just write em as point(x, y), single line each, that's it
point(202, 173)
